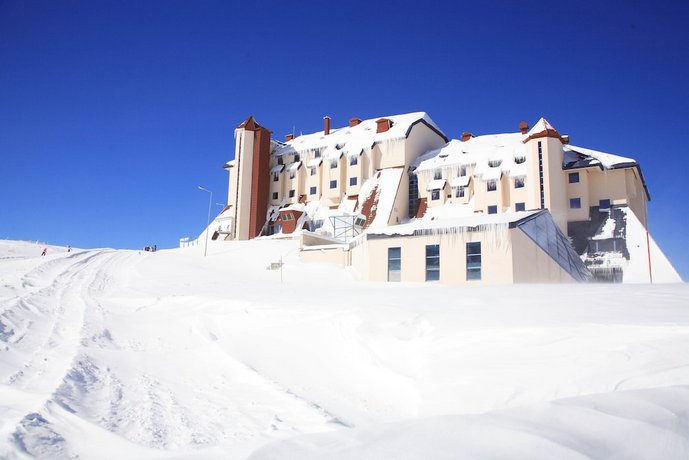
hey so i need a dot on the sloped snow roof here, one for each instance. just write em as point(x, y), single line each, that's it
point(479, 151)
point(436, 184)
point(473, 220)
point(294, 166)
point(314, 162)
point(540, 126)
point(607, 160)
point(460, 181)
point(277, 168)
point(353, 140)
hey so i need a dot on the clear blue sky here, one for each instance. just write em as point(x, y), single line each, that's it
point(111, 113)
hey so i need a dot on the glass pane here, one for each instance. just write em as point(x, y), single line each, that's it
point(473, 274)
point(432, 275)
point(432, 250)
point(394, 253)
point(394, 264)
point(433, 262)
point(393, 275)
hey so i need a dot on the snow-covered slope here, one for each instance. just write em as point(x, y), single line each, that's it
point(125, 354)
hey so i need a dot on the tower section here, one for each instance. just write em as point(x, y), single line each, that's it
point(249, 180)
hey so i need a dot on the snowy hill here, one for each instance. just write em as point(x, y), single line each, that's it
point(127, 354)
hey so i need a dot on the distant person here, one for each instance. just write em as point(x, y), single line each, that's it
point(45, 251)
point(69, 248)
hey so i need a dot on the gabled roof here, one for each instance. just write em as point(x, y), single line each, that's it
point(543, 129)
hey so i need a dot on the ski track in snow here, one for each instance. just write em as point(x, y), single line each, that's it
point(118, 353)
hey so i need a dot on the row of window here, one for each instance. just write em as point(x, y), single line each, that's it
point(575, 203)
point(313, 190)
point(473, 262)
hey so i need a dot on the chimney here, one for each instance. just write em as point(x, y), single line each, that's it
point(326, 125)
point(289, 137)
point(524, 127)
point(354, 121)
point(466, 136)
point(383, 124)
point(565, 139)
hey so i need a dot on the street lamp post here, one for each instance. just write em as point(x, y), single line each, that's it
point(208, 222)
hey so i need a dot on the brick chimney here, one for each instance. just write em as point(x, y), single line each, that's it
point(524, 127)
point(466, 136)
point(354, 121)
point(565, 139)
point(326, 125)
point(383, 124)
point(289, 137)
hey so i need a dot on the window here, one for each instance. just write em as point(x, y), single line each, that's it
point(353, 161)
point(491, 185)
point(474, 261)
point(604, 204)
point(315, 225)
point(494, 163)
point(462, 171)
point(312, 190)
point(276, 177)
point(573, 178)
point(333, 164)
point(540, 174)
point(518, 182)
point(519, 206)
point(312, 170)
point(287, 216)
point(432, 262)
point(540, 148)
point(317, 153)
point(333, 184)
point(575, 203)
point(438, 174)
point(394, 264)
point(519, 160)
point(291, 193)
point(413, 193)
point(460, 192)
point(493, 209)
point(275, 195)
point(352, 181)
point(435, 194)
point(280, 161)
point(296, 157)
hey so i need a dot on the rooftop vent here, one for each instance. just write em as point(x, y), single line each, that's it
point(354, 121)
point(326, 125)
point(289, 137)
point(524, 127)
point(383, 124)
point(466, 136)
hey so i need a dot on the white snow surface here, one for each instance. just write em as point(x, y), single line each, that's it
point(607, 160)
point(125, 354)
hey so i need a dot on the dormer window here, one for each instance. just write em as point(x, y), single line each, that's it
point(317, 153)
point(519, 160)
point(280, 161)
point(333, 164)
point(312, 171)
point(491, 185)
point(353, 161)
point(494, 163)
point(438, 174)
point(296, 157)
point(276, 176)
point(518, 182)
point(462, 171)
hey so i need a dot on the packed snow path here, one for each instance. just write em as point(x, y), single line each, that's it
point(126, 354)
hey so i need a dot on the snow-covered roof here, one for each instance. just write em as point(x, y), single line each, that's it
point(606, 160)
point(277, 168)
point(460, 181)
point(436, 184)
point(294, 166)
point(314, 162)
point(540, 126)
point(471, 221)
point(480, 151)
point(353, 140)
